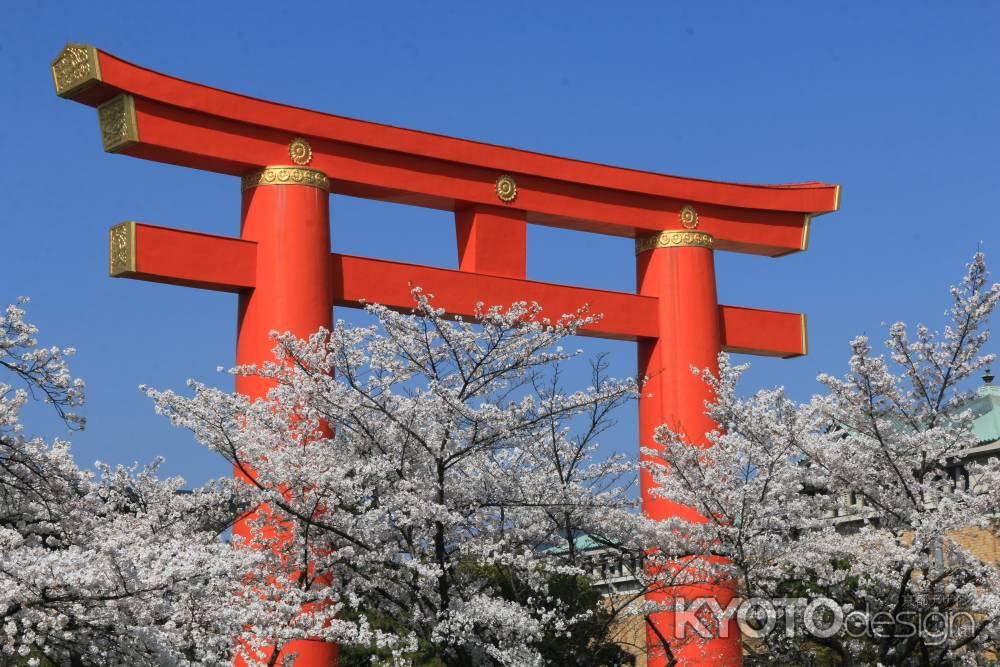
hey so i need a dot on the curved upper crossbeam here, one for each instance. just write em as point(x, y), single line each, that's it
point(158, 117)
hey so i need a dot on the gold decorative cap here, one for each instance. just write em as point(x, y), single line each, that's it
point(299, 151)
point(282, 175)
point(118, 125)
point(689, 217)
point(675, 238)
point(121, 255)
point(506, 188)
point(75, 69)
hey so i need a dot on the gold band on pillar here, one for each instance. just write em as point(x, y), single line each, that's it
point(675, 238)
point(281, 175)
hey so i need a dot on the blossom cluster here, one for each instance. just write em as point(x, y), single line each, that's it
point(112, 566)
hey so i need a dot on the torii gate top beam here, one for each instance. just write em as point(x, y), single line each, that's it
point(154, 116)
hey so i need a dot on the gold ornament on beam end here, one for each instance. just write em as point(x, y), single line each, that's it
point(805, 232)
point(506, 188)
point(121, 253)
point(805, 336)
point(300, 152)
point(119, 128)
point(75, 69)
point(689, 217)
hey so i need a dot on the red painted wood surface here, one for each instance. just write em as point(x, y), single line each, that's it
point(768, 333)
point(197, 126)
point(192, 259)
point(492, 241)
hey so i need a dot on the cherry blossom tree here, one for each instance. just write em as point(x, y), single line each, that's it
point(772, 483)
point(105, 567)
point(425, 480)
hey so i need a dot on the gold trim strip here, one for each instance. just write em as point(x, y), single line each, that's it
point(119, 128)
point(836, 199)
point(805, 232)
point(121, 250)
point(675, 238)
point(75, 69)
point(285, 175)
point(805, 336)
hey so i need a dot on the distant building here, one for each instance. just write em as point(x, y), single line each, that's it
point(985, 408)
point(608, 569)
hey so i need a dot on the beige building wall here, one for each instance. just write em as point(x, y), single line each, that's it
point(629, 632)
point(984, 544)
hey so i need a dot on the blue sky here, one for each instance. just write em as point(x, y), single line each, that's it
point(896, 101)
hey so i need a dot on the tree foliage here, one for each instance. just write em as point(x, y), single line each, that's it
point(416, 490)
point(421, 470)
point(107, 567)
point(886, 435)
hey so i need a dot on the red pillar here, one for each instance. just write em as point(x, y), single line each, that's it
point(286, 212)
point(678, 267)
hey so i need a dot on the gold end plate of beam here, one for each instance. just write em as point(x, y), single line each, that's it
point(75, 69)
point(121, 252)
point(804, 245)
point(805, 336)
point(119, 129)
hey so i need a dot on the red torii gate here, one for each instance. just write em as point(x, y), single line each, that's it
point(290, 159)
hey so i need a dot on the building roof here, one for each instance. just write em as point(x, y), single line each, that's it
point(582, 542)
point(986, 408)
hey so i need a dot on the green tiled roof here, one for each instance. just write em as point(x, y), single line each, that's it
point(986, 408)
point(582, 542)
